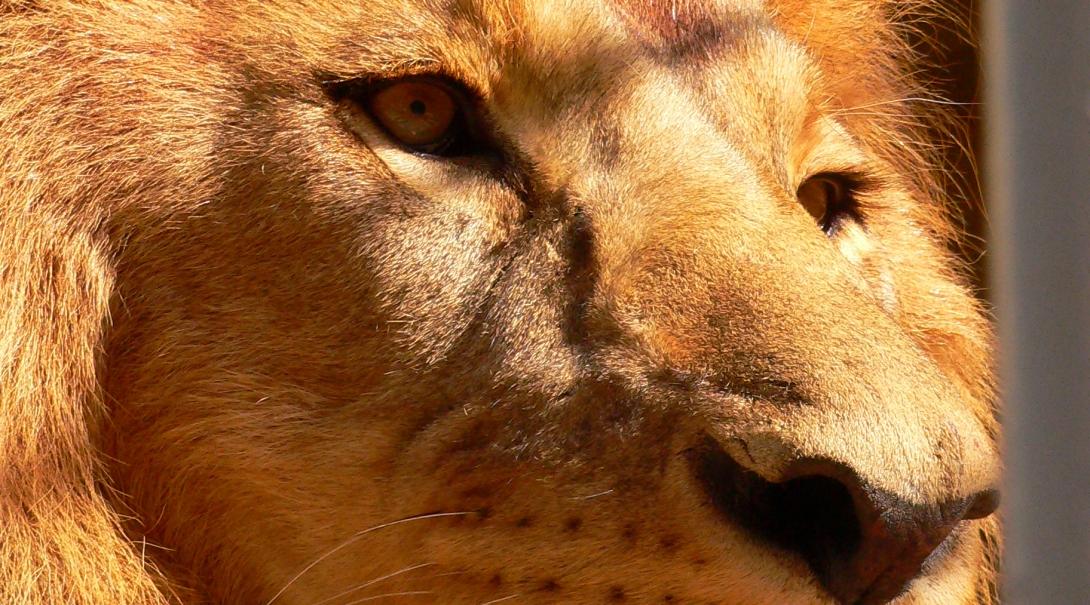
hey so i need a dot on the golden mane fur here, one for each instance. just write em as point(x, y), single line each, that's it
point(252, 352)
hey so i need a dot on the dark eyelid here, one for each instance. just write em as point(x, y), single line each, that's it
point(470, 127)
point(429, 72)
point(852, 180)
point(366, 86)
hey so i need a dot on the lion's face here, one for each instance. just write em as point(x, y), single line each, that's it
point(467, 302)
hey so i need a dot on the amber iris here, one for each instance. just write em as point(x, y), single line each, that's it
point(419, 114)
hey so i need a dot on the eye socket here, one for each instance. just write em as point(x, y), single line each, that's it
point(420, 113)
point(426, 114)
point(828, 198)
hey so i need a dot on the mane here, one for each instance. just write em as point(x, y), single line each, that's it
point(60, 537)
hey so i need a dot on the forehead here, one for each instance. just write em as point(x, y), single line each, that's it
point(579, 42)
point(670, 27)
point(676, 21)
point(482, 34)
point(603, 48)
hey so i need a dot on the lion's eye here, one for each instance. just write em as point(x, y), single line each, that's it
point(828, 198)
point(421, 115)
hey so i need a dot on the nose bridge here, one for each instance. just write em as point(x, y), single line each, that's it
point(701, 264)
point(824, 371)
point(661, 187)
point(865, 394)
point(827, 373)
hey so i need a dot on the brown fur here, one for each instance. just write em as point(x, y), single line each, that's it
point(252, 351)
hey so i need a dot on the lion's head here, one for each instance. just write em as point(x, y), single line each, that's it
point(478, 301)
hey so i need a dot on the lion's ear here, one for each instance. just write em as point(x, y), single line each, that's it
point(60, 542)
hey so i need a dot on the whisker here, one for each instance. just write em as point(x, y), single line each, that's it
point(374, 581)
point(507, 598)
point(907, 100)
point(354, 538)
point(592, 496)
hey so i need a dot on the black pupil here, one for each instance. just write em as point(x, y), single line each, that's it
point(418, 107)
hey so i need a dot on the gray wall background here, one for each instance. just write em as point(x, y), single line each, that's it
point(1036, 57)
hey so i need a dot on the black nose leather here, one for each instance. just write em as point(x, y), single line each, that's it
point(864, 545)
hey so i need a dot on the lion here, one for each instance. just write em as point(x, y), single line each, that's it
point(483, 301)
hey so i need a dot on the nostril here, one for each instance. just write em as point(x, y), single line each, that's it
point(815, 517)
point(864, 545)
point(812, 515)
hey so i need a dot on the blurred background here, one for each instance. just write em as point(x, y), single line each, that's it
point(956, 76)
point(1019, 81)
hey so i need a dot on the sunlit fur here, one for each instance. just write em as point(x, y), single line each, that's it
point(251, 350)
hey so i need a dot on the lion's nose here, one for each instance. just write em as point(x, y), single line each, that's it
point(863, 544)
